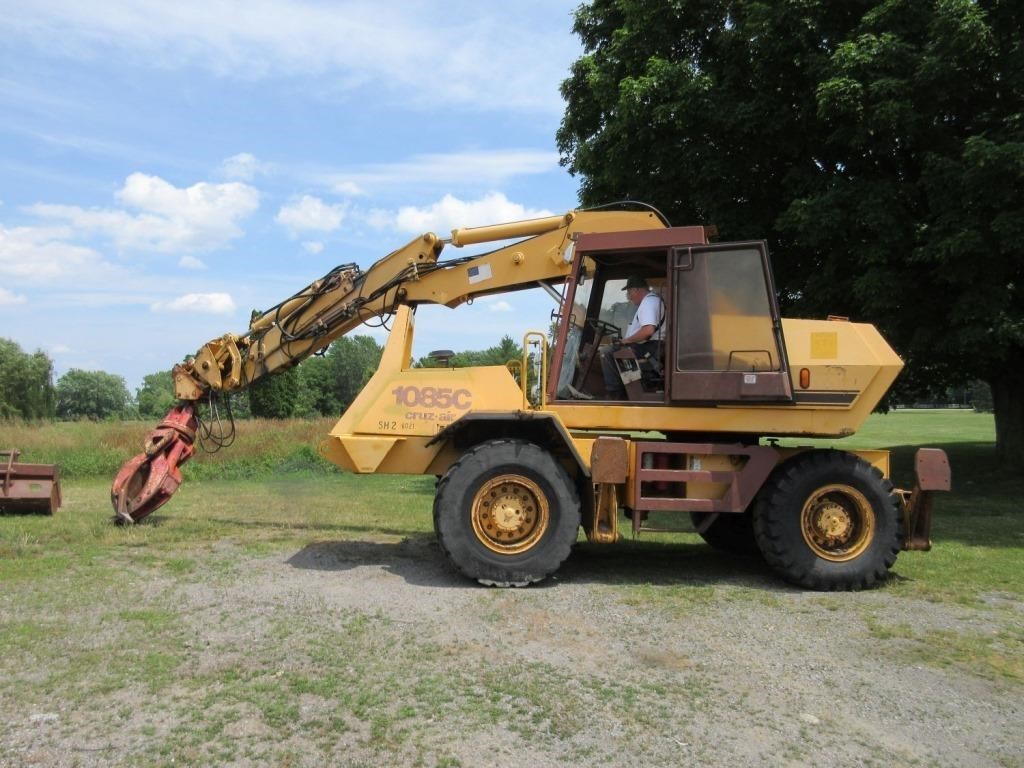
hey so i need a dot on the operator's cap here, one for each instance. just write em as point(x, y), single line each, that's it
point(635, 281)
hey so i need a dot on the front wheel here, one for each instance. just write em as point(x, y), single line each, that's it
point(506, 513)
point(828, 520)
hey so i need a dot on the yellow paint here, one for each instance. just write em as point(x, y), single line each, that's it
point(403, 408)
point(492, 232)
point(367, 452)
point(824, 345)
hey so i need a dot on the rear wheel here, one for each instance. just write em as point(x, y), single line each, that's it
point(828, 520)
point(506, 513)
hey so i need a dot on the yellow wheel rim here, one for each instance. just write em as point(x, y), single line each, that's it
point(510, 514)
point(837, 522)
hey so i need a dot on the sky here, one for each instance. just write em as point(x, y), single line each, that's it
point(165, 168)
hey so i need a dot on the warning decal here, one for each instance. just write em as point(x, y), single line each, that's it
point(479, 273)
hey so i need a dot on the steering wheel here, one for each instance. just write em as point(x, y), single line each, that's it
point(602, 329)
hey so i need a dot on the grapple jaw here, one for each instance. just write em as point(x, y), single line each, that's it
point(147, 481)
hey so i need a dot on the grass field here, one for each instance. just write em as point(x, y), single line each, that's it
point(236, 626)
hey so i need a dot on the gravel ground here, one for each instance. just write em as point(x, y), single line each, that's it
point(374, 653)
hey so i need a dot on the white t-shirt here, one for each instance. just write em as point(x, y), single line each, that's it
point(650, 312)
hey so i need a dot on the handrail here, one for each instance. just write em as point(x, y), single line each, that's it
point(540, 340)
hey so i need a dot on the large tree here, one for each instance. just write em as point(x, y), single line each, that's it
point(91, 395)
point(156, 395)
point(878, 145)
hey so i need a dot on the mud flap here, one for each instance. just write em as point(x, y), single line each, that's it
point(931, 474)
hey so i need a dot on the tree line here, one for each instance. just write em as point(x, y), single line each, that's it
point(323, 385)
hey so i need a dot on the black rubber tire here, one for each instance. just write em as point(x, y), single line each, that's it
point(453, 504)
point(778, 529)
point(733, 533)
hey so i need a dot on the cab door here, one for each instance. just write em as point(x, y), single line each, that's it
point(726, 341)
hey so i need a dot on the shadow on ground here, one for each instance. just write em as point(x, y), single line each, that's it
point(419, 561)
point(313, 527)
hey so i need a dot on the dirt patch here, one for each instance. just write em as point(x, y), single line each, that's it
point(371, 653)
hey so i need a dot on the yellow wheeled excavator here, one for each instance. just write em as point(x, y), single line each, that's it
point(528, 453)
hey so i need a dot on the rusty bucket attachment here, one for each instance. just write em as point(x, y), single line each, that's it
point(28, 487)
point(148, 481)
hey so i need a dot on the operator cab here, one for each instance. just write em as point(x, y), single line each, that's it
point(721, 333)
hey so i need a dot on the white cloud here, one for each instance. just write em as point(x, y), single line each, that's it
point(349, 188)
point(243, 167)
point(454, 52)
point(451, 212)
point(59, 349)
point(201, 217)
point(500, 306)
point(42, 255)
point(210, 303)
point(485, 167)
point(378, 218)
point(9, 298)
point(313, 247)
point(311, 214)
point(191, 262)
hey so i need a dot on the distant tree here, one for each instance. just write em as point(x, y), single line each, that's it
point(91, 395)
point(319, 396)
point(878, 144)
point(26, 383)
point(348, 365)
point(276, 396)
point(156, 395)
point(239, 404)
point(505, 350)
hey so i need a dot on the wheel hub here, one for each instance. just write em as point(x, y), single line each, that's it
point(837, 522)
point(509, 510)
point(510, 514)
point(833, 522)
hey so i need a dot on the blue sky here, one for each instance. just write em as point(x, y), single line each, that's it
point(167, 167)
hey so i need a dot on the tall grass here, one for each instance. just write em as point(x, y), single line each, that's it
point(98, 449)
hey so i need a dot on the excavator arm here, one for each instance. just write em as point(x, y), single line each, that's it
point(341, 301)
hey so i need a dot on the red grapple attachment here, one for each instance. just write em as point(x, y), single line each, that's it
point(148, 481)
